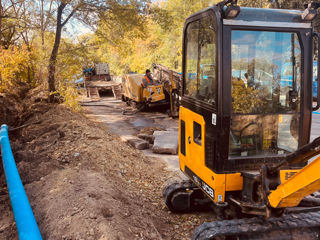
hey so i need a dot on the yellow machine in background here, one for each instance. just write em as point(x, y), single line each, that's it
point(135, 94)
point(172, 85)
point(165, 90)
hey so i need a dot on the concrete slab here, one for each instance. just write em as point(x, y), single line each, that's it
point(166, 142)
point(138, 143)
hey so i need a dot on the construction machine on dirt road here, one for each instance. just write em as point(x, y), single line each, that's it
point(141, 97)
point(244, 139)
point(164, 90)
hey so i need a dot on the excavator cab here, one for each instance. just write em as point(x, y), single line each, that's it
point(246, 108)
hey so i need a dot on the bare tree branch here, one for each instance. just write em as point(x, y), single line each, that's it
point(70, 16)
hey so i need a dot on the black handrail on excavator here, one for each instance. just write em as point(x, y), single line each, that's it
point(302, 155)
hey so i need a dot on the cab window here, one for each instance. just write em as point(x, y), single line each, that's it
point(200, 71)
point(265, 90)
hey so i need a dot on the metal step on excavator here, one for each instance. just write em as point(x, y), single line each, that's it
point(245, 120)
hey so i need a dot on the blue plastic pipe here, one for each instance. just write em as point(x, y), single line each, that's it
point(23, 215)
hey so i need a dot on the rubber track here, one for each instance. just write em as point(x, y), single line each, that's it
point(305, 223)
point(172, 187)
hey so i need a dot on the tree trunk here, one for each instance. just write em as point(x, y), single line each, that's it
point(277, 3)
point(54, 54)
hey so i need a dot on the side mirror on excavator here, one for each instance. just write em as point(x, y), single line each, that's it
point(317, 35)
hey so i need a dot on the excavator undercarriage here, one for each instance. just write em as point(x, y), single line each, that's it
point(248, 214)
point(234, 223)
point(300, 222)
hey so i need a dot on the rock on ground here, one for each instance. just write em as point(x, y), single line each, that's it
point(138, 143)
point(147, 137)
point(166, 142)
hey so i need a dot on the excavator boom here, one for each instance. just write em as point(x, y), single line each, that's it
point(300, 185)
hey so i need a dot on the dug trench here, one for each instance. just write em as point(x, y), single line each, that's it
point(82, 181)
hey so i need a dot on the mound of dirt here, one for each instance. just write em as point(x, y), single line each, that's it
point(10, 109)
point(84, 183)
point(12, 104)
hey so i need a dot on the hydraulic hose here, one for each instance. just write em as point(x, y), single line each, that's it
point(25, 221)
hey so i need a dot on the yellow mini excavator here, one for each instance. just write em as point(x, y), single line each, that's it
point(245, 119)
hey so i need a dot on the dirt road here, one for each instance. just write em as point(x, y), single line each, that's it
point(119, 119)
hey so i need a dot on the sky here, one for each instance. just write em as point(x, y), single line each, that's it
point(75, 28)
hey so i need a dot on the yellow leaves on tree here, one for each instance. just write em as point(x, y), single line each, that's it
point(133, 43)
point(15, 64)
point(69, 93)
point(68, 70)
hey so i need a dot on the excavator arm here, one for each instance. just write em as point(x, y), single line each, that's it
point(300, 185)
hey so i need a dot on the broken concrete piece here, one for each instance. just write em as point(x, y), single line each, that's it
point(166, 142)
point(138, 143)
point(147, 137)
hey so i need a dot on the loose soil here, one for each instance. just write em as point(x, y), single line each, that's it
point(85, 183)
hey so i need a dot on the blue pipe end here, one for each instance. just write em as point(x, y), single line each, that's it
point(4, 130)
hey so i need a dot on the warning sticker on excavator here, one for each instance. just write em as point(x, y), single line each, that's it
point(214, 119)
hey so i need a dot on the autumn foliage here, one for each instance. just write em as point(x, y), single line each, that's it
point(128, 35)
point(15, 66)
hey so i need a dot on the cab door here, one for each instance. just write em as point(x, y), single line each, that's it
point(192, 132)
point(198, 114)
